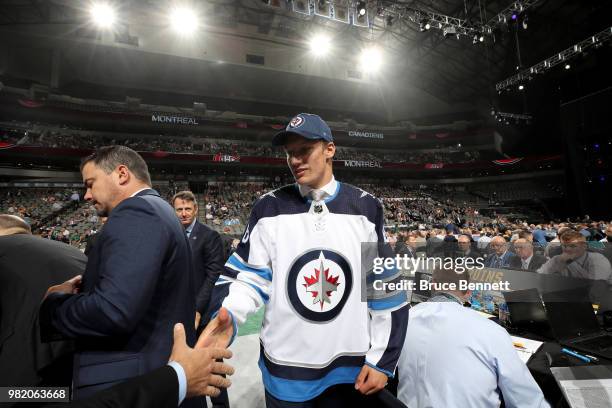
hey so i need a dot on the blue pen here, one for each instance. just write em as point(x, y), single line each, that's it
point(574, 354)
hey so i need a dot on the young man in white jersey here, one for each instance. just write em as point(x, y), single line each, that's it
point(321, 343)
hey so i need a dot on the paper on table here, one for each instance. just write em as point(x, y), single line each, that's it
point(588, 393)
point(529, 347)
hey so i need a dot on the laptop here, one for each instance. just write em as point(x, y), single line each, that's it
point(574, 324)
point(527, 312)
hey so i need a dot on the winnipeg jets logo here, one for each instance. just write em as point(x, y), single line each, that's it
point(296, 122)
point(319, 283)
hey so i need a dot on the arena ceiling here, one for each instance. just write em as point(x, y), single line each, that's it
point(426, 72)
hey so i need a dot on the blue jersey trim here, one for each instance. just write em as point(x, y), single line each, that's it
point(265, 273)
point(302, 390)
point(385, 372)
point(388, 303)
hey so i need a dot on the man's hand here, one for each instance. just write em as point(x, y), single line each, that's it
point(202, 371)
point(218, 331)
point(71, 286)
point(370, 380)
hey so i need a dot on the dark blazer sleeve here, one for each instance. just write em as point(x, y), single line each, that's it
point(134, 244)
point(159, 388)
point(212, 256)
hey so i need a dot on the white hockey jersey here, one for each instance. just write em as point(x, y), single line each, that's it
point(303, 260)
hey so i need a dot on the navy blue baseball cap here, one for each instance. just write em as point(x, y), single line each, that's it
point(308, 126)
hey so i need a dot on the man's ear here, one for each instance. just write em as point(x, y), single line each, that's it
point(123, 174)
point(330, 150)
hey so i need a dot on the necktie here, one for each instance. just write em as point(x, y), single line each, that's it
point(317, 195)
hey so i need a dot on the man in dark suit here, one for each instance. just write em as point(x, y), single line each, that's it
point(206, 249)
point(137, 284)
point(28, 266)
point(190, 372)
point(208, 262)
point(501, 257)
point(527, 260)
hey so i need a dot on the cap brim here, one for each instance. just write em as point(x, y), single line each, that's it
point(280, 137)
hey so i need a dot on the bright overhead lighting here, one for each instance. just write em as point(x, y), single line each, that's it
point(184, 21)
point(370, 59)
point(320, 45)
point(103, 15)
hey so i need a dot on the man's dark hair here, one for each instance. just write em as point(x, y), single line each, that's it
point(448, 275)
point(109, 157)
point(185, 196)
point(13, 224)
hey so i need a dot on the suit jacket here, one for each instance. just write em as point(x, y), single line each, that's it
point(534, 264)
point(505, 261)
point(137, 285)
point(207, 253)
point(159, 388)
point(28, 266)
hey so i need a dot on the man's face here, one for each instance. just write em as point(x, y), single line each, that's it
point(523, 248)
point(574, 248)
point(307, 160)
point(498, 245)
point(411, 242)
point(463, 243)
point(185, 211)
point(102, 189)
point(609, 231)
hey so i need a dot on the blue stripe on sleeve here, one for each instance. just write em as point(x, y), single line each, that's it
point(389, 302)
point(265, 273)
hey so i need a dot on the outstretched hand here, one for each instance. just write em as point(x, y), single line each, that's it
point(218, 332)
point(204, 374)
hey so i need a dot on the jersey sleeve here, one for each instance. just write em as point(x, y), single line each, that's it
point(388, 313)
point(251, 266)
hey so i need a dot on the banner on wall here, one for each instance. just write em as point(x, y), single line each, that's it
point(227, 158)
point(175, 120)
point(366, 134)
point(361, 163)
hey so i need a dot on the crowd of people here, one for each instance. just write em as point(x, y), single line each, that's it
point(62, 137)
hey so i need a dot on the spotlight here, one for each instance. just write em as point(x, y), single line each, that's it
point(427, 25)
point(370, 59)
point(424, 25)
point(320, 45)
point(361, 8)
point(481, 38)
point(525, 23)
point(184, 21)
point(567, 66)
point(514, 16)
point(103, 15)
point(521, 87)
point(493, 111)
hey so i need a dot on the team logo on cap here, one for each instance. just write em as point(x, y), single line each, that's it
point(296, 122)
point(319, 283)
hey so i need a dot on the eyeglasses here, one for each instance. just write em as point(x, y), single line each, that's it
point(571, 246)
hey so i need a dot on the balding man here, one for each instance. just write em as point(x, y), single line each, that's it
point(12, 225)
point(28, 266)
point(526, 260)
point(501, 257)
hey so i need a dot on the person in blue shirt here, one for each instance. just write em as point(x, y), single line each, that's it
point(453, 357)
